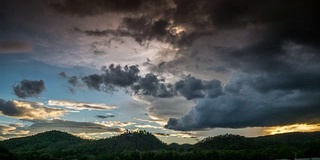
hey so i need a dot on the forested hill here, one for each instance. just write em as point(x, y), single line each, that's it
point(43, 142)
point(144, 145)
point(236, 142)
point(61, 141)
point(141, 140)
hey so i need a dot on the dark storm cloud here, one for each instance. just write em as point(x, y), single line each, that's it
point(214, 88)
point(289, 20)
point(301, 81)
point(14, 47)
point(256, 101)
point(277, 75)
point(128, 76)
point(274, 65)
point(141, 29)
point(192, 88)
point(151, 85)
point(146, 30)
point(93, 81)
point(282, 20)
point(86, 8)
point(147, 21)
point(277, 21)
point(113, 76)
point(116, 75)
point(29, 88)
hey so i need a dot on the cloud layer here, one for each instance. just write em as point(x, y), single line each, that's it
point(80, 105)
point(243, 63)
point(29, 110)
point(71, 127)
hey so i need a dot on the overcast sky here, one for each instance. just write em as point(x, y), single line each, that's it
point(181, 69)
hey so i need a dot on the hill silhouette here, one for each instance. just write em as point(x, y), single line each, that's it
point(61, 143)
point(144, 145)
point(47, 141)
point(141, 140)
point(227, 141)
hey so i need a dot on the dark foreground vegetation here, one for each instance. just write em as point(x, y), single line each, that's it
point(142, 145)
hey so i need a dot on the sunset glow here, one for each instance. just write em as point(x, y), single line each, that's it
point(293, 128)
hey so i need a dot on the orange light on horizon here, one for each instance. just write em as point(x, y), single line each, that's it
point(292, 128)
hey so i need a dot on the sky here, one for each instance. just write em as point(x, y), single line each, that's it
point(180, 69)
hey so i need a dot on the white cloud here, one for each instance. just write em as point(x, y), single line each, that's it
point(29, 110)
point(115, 123)
point(161, 109)
point(147, 126)
point(80, 105)
point(6, 131)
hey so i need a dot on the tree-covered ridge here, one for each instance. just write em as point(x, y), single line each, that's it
point(43, 142)
point(140, 140)
point(227, 141)
point(142, 145)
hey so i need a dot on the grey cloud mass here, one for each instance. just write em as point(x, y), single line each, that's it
point(85, 8)
point(152, 86)
point(113, 76)
point(278, 22)
point(268, 49)
point(245, 104)
point(192, 88)
point(29, 88)
point(127, 76)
